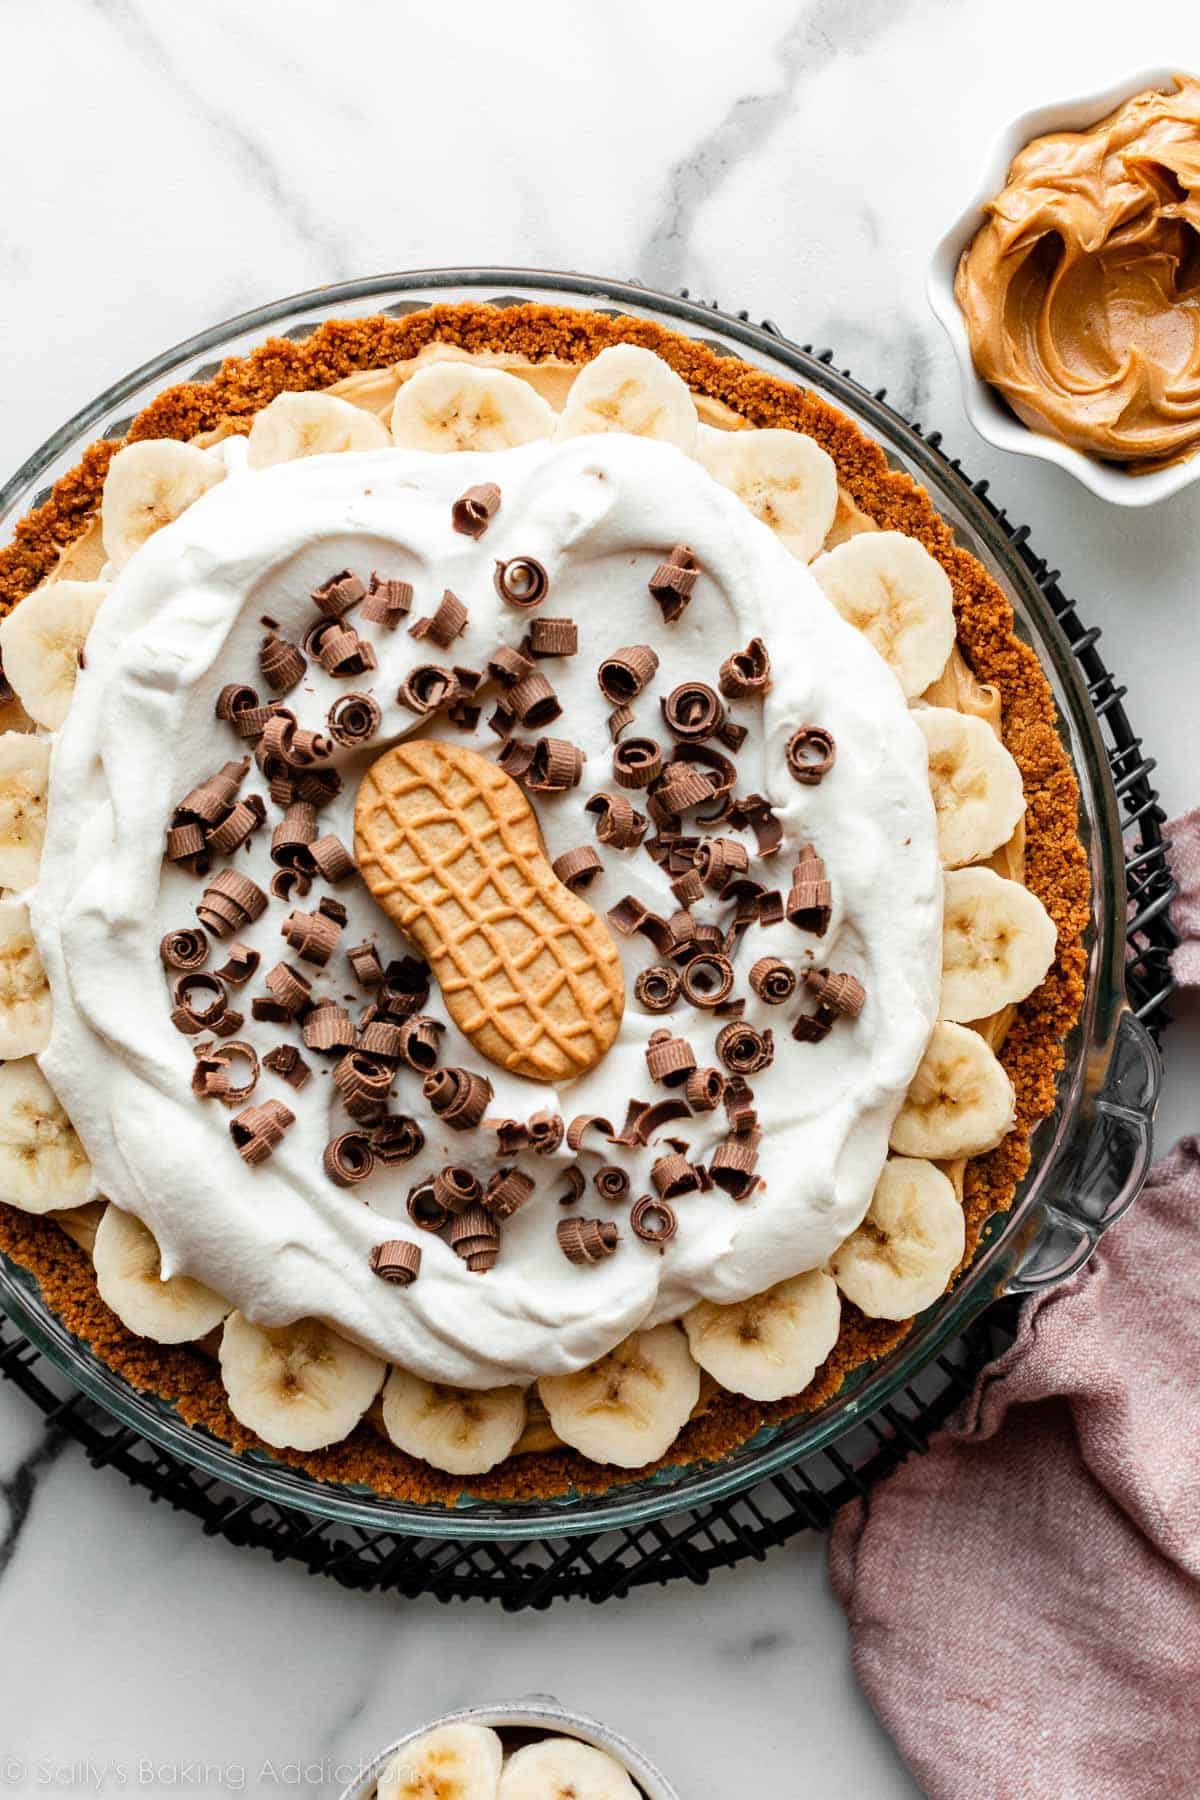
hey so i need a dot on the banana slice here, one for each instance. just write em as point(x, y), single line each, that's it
point(892, 590)
point(976, 785)
point(784, 478)
point(40, 641)
point(627, 388)
point(997, 943)
point(961, 1101)
point(903, 1254)
point(24, 778)
point(298, 1386)
point(455, 1429)
point(129, 1277)
point(42, 1163)
point(771, 1345)
point(453, 406)
point(453, 1762)
point(148, 484)
point(564, 1769)
point(25, 1006)
point(296, 425)
point(629, 1407)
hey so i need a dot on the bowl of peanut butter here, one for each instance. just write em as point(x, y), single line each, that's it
point(1070, 288)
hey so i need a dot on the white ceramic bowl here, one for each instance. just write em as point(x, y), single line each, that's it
point(985, 409)
point(537, 1712)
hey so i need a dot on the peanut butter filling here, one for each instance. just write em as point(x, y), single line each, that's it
point(1081, 292)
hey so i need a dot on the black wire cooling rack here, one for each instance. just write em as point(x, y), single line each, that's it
point(694, 1543)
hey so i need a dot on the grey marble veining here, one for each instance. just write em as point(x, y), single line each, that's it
point(169, 166)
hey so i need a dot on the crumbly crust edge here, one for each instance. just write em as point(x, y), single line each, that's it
point(1056, 863)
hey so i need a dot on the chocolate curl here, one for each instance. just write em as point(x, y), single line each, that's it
point(237, 702)
point(624, 674)
point(336, 596)
point(327, 1028)
point(396, 1261)
point(361, 1076)
point(575, 1186)
point(619, 721)
point(474, 511)
point(188, 844)
point(459, 1097)
point(611, 1183)
point(742, 1049)
point(396, 1139)
point(617, 823)
point(506, 1192)
point(703, 1089)
point(380, 1037)
point(186, 950)
point(313, 936)
point(673, 580)
point(444, 625)
point(746, 674)
point(739, 1105)
point(841, 994)
point(331, 859)
point(238, 826)
point(629, 915)
point(688, 888)
point(475, 1236)
point(387, 602)
point(230, 901)
point(282, 663)
point(707, 979)
point(534, 702)
point(365, 964)
point(405, 988)
point(317, 786)
point(289, 990)
point(286, 1062)
point(680, 788)
point(555, 766)
point(339, 649)
point(508, 666)
point(810, 899)
point(420, 1047)
point(427, 687)
point(353, 720)
point(211, 1077)
point(210, 800)
point(553, 637)
point(512, 1135)
point(674, 1175)
point(755, 811)
point(424, 1210)
point(240, 965)
point(810, 753)
point(455, 1188)
point(636, 762)
point(587, 1240)
point(522, 581)
point(576, 868)
point(348, 1159)
point(670, 1060)
point(657, 988)
point(693, 711)
point(258, 1130)
point(583, 1123)
point(653, 1221)
point(772, 980)
point(719, 861)
point(770, 908)
point(292, 836)
point(733, 1164)
point(720, 774)
point(546, 1132)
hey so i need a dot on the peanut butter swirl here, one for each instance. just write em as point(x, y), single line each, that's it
point(1082, 291)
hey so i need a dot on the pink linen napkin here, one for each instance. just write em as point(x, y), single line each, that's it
point(1024, 1600)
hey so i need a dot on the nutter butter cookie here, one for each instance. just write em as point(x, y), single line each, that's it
point(729, 807)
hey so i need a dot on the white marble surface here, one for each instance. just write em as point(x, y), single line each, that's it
point(167, 166)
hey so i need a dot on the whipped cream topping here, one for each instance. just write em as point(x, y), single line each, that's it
point(280, 1241)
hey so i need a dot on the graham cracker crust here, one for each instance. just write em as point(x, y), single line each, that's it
point(1055, 862)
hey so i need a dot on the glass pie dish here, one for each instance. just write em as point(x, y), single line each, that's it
point(1089, 1155)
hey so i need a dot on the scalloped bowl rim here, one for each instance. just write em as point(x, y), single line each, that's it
point(987, 413)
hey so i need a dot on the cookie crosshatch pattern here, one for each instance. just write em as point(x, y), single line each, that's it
point(450, 847)
point(854, 507)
